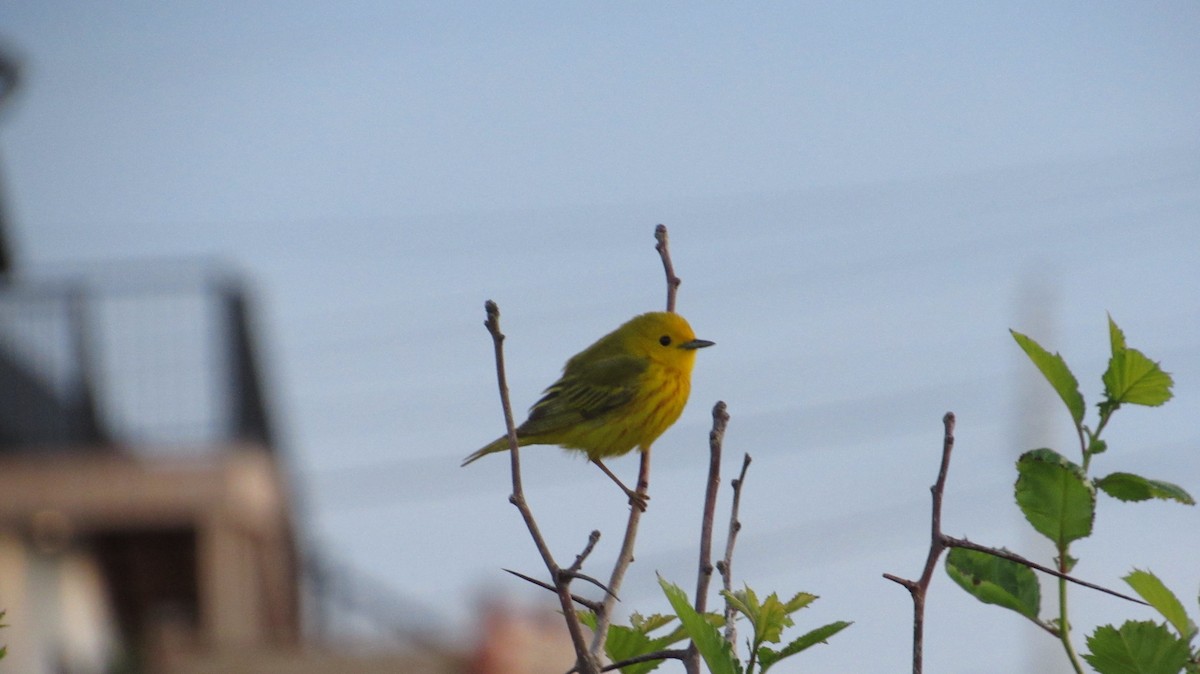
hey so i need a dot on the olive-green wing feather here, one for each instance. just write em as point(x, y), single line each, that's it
point(585, 391)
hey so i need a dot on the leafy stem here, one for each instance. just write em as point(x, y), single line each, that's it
point(1064, 625)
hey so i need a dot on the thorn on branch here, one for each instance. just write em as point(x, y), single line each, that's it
point(590, 605)
point(567, 576)
point(585, 660)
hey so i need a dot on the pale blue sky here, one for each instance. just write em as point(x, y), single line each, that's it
point(857, 194)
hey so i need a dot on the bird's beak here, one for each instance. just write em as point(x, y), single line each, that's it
point(696, 344)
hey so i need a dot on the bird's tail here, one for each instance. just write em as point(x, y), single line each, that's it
point(500, 444)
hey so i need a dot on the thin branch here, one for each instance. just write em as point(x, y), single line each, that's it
point(636, 506)
point(593, 538)
point(624, 559)
point(715, 438)
point(725, 566)
point(952, 542)
point(704, 574)
point(673, 654)
point(586, 662)
point(673, 281)
point(937, 543)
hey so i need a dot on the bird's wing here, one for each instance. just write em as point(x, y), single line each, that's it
point(585, 392)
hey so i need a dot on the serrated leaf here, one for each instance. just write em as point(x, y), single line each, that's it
point(626, 642)
point(1138, 647)
point(739, 601)
point(1149, 587)
point(994, 580)
point(717, 653)
point(1055, 496)
point(772, 618)
point(1116, 338)
point(1133, 378)
point(768, 657)
point(1130, 487)
point(1055, 370)
point(801, 600)
point(647, 624)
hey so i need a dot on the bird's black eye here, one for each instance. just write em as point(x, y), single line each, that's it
point(665, 340)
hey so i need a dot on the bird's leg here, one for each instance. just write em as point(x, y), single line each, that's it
point(635, 498)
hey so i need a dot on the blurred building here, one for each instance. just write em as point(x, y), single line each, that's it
point(142, 506)
point(145, 519)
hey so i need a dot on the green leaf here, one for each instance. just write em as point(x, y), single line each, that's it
point(1138, 647)
point(994, 580)
point(768, 617)
point(1055, 496)
point(717, 653)
point(742, 601)
point(1130, 487)
point(771, 620)
point(626, 642)
point(801, 600)
point(1116, 338)
point(1055, 370)
point(768, 657)
point(1150, 588)
point(1133, 378)
point(649, 623)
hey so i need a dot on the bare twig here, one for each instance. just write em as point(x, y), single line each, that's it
point(715, 439)
point(725, 566)
point(624, 559)
point(593, 538)
point(704, 574)
point(636, 506)
point(586, 662)
point(673, 281)
point(937, 544)
point(673, 654)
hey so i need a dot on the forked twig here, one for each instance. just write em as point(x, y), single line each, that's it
point(625, 555)
point(586, 662)
point(582, 601)
point(938, 542)
point(936, 545)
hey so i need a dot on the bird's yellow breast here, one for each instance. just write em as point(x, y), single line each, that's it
point(661, 396)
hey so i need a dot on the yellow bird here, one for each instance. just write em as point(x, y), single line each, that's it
point(620, 393)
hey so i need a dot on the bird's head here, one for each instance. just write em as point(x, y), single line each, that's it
point(663, 337)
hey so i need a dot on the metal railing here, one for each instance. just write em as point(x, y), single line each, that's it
point(147, 361)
